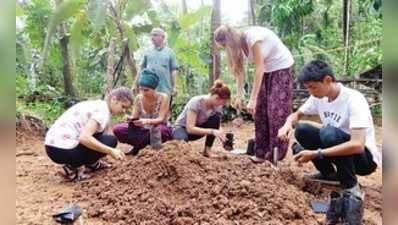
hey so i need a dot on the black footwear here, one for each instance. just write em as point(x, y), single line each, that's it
point(330, 179)
point(256, 159)
point(74, 174)
point(335, 208)
point(99, 165)
point(352, 209)
point(133, 151)
point(71, 173)
point(297, 148)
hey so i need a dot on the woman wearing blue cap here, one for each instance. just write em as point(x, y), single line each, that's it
point(150, 108)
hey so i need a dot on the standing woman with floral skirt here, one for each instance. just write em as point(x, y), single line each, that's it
point(271, 96)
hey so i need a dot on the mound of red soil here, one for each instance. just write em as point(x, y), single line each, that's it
point(179, 186)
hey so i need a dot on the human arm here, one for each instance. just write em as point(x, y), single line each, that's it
point(87, 139)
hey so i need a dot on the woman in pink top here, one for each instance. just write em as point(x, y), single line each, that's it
point(271, 96)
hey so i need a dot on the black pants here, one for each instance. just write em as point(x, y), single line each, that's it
point(313, 138)
point(80, 155)
point(180, 133)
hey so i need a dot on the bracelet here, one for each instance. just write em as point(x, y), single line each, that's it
point(211, 132)
point(319, 154)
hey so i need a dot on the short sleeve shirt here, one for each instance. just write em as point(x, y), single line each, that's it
point(276, 55)
point(349, 110)
point(66, 130)
point(164, 61)
point(196, 104)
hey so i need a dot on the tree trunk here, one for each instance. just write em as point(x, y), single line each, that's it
point(184, 7)
point(214, 67)
point(346, 33)
point(66, 71)
point(109, 70)
point(252, 4)
point(129, 57)
point(130, 61)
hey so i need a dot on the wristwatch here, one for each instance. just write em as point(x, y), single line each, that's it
point(319, 154)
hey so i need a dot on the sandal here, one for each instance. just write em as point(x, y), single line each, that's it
point(99, 165)
point(74, 174)
point(71, 173)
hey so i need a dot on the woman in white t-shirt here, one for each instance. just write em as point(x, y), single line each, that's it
point(271, 96)
point(77, 137)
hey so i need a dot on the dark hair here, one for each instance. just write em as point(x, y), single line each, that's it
point(316, 70)
point(220, 89)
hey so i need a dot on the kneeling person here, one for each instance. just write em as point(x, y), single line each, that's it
point(345, 146)
point(77, 137)
point(202, 117)
point(150, 109)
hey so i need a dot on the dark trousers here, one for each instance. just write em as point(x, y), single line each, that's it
point(312, 138)
point(80, 155)
point(180, 133)
point(137, 136)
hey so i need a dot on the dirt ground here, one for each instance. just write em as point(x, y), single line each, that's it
point(179, 186)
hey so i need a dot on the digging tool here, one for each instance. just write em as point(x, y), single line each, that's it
point(275, 155)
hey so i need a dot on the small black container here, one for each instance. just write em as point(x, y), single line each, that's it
point(251, 147)
point(229, 143)
point(297, 148)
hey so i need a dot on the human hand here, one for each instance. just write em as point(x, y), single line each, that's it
point(219, 134)
point(285, 132)
point(117, 154)
point(305, 156)
point(238, 104)
point(141, 122)
point(174, 92)
point(251, 107)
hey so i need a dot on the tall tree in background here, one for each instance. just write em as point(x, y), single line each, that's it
point(347, 5)
point(109, 70)
point(184, 7)
point(66, 71)
point(214, 67)
point(252, 4)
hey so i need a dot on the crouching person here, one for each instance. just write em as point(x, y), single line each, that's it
point(77, 137)
point(150, 109)
point(345, 145)
point(202, 117)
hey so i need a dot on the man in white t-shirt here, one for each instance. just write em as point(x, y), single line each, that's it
point(345, 145)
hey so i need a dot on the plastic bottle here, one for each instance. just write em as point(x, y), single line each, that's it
point(155, 137)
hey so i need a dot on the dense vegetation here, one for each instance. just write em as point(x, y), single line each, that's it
point(75, 49)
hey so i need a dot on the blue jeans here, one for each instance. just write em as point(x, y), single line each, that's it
point(180, 133)
point(312, 138)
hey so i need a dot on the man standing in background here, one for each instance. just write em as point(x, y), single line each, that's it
point(162, 59)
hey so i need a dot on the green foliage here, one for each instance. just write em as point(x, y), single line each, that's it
point(311, 29)
point(46, 111)
point(66, 10)
point(96, 12)
point(136, 7)
point(186, 21)
point(377, 110)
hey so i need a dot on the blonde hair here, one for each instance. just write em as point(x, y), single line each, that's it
point(231, 40)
